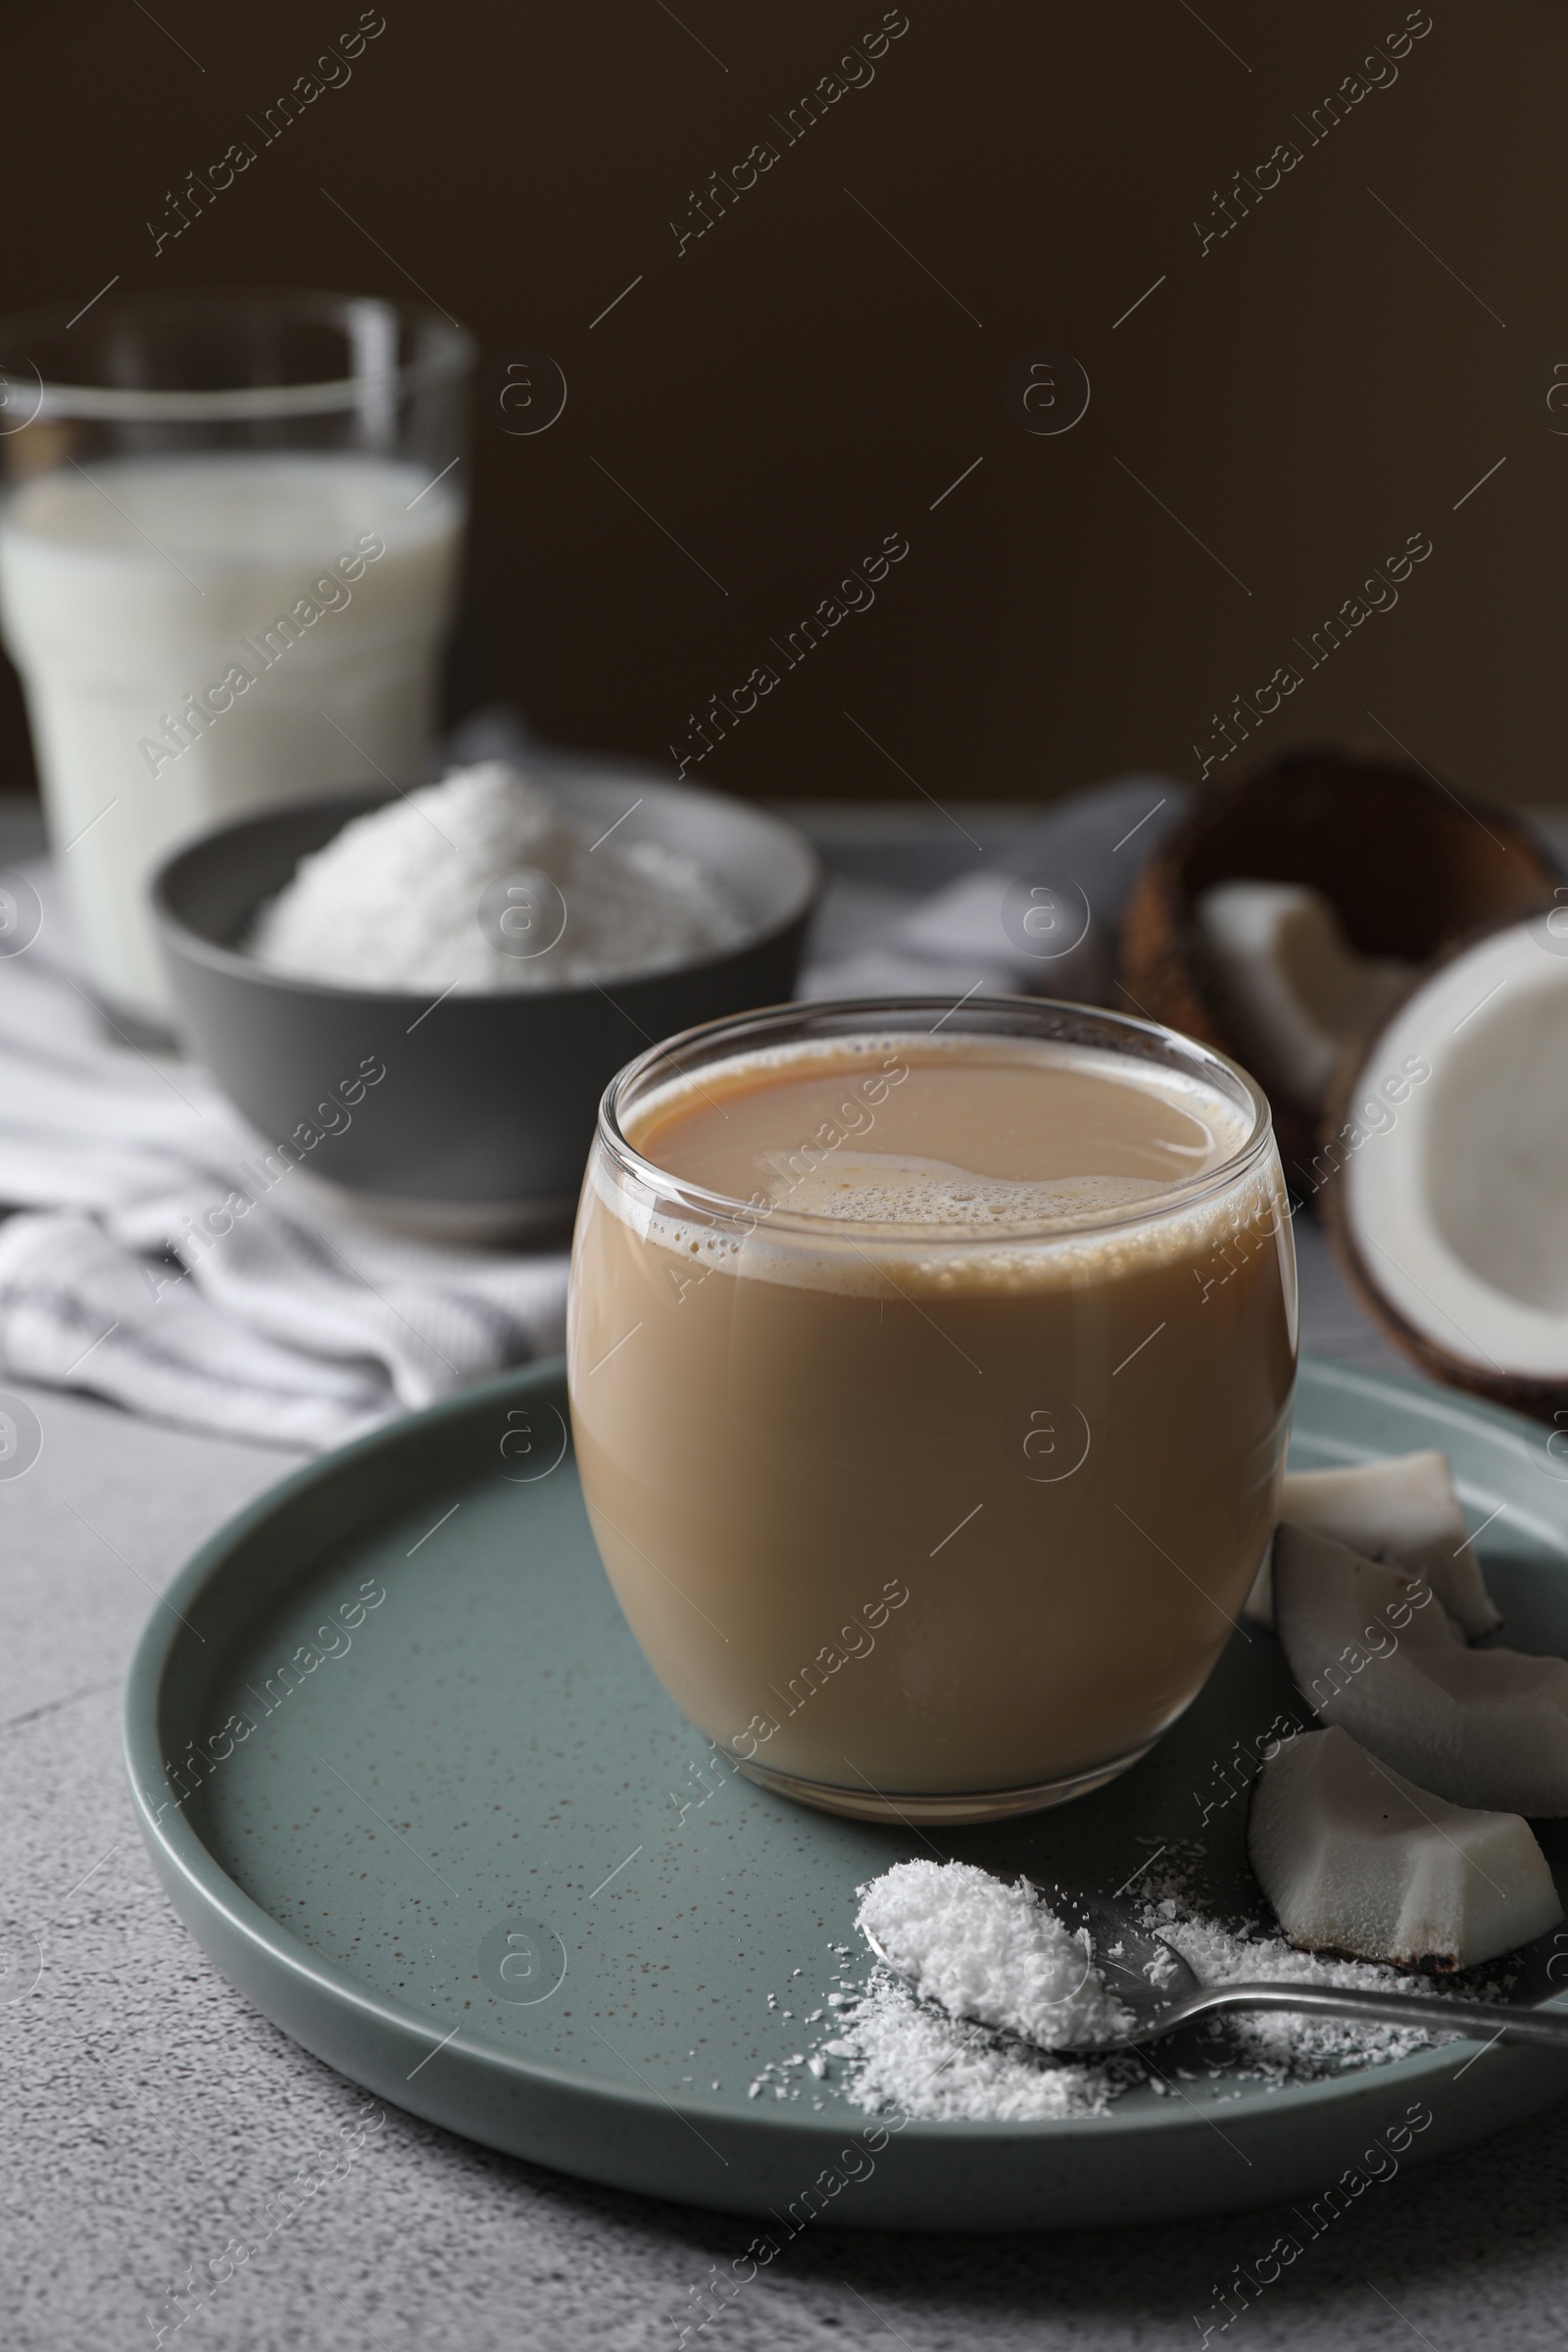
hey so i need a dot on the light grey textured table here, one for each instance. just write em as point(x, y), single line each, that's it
point(150, 2114)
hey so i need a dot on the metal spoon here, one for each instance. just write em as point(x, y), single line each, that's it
point(1159, 2009)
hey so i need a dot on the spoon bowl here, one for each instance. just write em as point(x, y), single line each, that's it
point(1160, 1992)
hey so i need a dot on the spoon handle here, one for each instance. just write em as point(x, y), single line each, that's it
point(1485, 2021)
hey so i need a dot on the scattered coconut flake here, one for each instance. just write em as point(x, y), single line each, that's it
point(892, 2049)
point(1284, 2042)
point(901, 2054)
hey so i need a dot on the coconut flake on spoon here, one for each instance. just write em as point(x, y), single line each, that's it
point(1373, 1650)
point(1356, 1859)
point(990, 1950)
point(1403, 1512)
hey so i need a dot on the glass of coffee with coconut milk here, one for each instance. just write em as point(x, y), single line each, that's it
point(228, 548)
point(931, 1370)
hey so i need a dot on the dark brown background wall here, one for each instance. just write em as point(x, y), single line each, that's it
point(1276, 417)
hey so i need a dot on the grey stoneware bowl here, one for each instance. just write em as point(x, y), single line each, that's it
point(480, 1126)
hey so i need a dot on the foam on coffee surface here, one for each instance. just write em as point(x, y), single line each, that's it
point(900, 1189)
point(930, 1220)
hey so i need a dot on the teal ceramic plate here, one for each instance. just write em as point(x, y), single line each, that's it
point(410, 1784)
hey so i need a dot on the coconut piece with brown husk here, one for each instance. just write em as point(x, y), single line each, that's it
point(1355, 1858)
point(1289, 986)
point(1395, 869)
point(1371, 1650)
point(1449, 1207)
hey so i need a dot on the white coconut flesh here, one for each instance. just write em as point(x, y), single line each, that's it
point(1355, 1858)
point(1373, 1650)
point(1404, 1511)
point(1456, 1200)
point(1291, 987)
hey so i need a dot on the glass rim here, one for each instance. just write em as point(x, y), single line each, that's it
point(448, 350)
point(898, 1017)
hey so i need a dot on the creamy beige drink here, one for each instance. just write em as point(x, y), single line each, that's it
point(938, 1472)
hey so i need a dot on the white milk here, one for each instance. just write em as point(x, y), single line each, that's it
point(136, 604)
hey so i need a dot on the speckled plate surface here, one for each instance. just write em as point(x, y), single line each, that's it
point(451, 1836)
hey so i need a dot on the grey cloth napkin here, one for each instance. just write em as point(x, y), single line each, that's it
point(297, 1323)
point(293, 1323)
point(1034, 913)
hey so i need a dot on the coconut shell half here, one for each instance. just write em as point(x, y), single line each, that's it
point(1439, 1168)
point(1408, 867)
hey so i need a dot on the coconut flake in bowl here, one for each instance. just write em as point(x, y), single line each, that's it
point(414, 895)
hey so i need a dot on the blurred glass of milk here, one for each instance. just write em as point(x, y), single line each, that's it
point(228, 554)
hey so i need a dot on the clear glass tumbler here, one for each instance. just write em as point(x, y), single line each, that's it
point(939, 1520)
point(228, 546)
